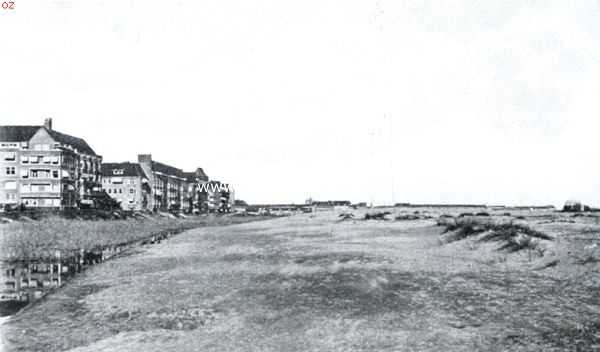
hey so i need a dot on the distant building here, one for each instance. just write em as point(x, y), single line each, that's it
point(128, 184)
point(220, 197)
point(168, 184)
point(44, 168)
point(194, 198)
point(331, 203)
point(575, 205)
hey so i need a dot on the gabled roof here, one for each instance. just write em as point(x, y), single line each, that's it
point(167, 169)
point(129, 170)
point(24, 134)
point(196, 175)
point(75, 142)
point(201, 174)
point(17, 133)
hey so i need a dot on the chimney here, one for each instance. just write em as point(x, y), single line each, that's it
point(48, 123)
point(144, 158)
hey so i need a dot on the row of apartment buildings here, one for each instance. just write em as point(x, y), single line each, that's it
point(43, 168)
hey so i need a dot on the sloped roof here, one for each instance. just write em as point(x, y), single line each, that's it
point(129, 169)
point(24, 133)
point(17, 133)
point(75, 142)
point(167, 169)
point(198, 174)
point(201, 174)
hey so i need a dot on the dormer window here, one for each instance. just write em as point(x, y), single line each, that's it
point(117, 171)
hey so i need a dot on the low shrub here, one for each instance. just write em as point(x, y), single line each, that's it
point(377, 216)
point(515, 236)
point(448, 222)
point(346, 216)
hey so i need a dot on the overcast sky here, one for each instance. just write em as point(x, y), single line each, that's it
point(405, 101)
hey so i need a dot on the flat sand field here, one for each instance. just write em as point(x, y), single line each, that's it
point(313, 282)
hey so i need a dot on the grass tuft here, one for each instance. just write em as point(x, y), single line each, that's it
point(516, 237)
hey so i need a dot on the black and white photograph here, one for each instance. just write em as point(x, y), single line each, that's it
point(290, 176)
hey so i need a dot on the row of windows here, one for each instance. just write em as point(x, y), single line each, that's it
point(46, 187)
point(118, 180)
point(54, 159)
point(43, 202)
point(11, 170)
point(40, 202)
point(34, 187)
point(40, 174)
point(44, 147)
point(119, 190)
point(38, 159)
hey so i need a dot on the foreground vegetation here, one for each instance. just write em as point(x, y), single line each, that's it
point(43, 238)
point(513, 236)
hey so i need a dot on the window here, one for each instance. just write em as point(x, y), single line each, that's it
point(54, 173)
point(109, 191)
point(55, 187)
point(24, 174)
point(26, 188)
point(117, 171)
point(35, 159)
point(10, 170)
point(10, 185)
point(9, 156)
point(131, 191)
point(120, 190)
point(47, 160)
point(25, 160)
point(54, 160)
point(117, 180)
point(40, 174)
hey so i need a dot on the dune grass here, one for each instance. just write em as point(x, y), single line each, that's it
point(515, 236)
point(43, 238)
